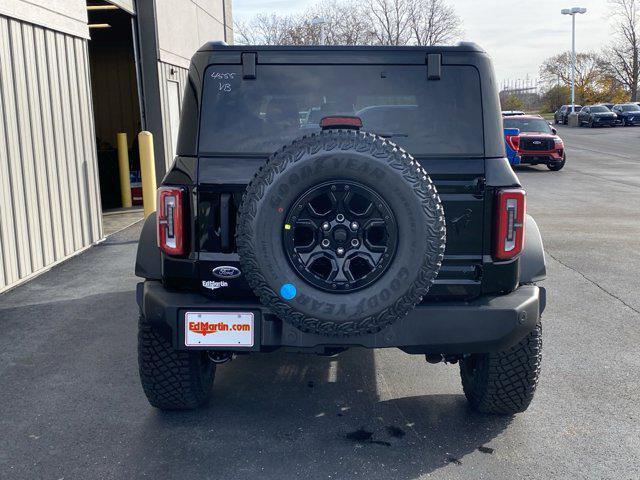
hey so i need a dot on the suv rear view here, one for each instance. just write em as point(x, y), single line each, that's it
point(324, 198)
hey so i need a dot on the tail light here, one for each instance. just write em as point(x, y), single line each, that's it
point(513, 141)
point(170, 221)
point(509, 235)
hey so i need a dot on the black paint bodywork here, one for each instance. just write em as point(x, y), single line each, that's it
point(469, 284)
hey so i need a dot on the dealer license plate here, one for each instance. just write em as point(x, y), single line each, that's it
point(218, 329)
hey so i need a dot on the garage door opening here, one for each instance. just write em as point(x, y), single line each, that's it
point(116, 105)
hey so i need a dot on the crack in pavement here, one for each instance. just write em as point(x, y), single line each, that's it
point(612, 295)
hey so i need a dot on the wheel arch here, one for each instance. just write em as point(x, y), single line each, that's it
point(533, 265)
point(148, 257)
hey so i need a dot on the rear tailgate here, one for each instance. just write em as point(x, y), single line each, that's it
point(440, 122)
point(462, 194)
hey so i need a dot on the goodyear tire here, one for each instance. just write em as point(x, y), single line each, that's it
point(341, 189)
point(172, 379)
point(504, 383)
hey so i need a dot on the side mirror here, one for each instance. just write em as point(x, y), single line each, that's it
point(554, 131)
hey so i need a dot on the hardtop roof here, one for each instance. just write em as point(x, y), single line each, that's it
point(466, 47)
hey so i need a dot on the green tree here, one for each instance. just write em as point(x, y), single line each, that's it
point(555, 97)
point(589, 73)
point(511, 102)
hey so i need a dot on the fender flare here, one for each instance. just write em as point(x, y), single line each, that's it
point(533, 265)
point(148, 257)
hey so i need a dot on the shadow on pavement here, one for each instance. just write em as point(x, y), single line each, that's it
point(533, 169)
point(290, 416)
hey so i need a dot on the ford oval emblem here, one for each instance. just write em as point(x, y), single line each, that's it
point(226, 271)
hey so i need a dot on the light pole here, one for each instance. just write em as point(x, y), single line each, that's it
point(321, 22)
point(573, 12)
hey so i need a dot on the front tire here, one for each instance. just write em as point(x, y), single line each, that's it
point(172, 379)
point(504, 383)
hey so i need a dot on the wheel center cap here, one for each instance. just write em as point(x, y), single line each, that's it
point(340, 234)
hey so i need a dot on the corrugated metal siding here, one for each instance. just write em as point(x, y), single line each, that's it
point(169, 74)
point(49, 197)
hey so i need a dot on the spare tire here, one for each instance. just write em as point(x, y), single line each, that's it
point(341, 233)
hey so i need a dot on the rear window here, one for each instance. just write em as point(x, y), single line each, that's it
point(438, 117)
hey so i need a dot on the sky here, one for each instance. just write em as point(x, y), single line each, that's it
point(518, 34)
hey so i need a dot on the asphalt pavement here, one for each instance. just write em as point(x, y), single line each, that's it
point(71, 405)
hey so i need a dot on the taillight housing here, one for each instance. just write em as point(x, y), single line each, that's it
point(170, 220)
point(513, 141)
point(509, 217)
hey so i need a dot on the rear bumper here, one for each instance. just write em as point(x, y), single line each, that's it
point(487, 324)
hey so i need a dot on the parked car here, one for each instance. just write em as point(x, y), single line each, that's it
point(316, 241)
point(628, 113)
point(537, 143)
point(561, 116)
point(596, 116)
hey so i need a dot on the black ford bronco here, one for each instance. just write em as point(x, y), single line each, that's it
point(329, 197)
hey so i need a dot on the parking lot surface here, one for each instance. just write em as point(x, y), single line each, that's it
point(72, 406)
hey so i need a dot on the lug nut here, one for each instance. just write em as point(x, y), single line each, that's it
point(340, 251)
point(325, 243)
point(355, 242)
point(340, 217)
point(326, 226)
point(354, 225)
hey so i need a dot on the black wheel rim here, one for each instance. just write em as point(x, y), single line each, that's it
point(340, 236)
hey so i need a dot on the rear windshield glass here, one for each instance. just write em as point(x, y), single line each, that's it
point(440, 117)
point(537, 125)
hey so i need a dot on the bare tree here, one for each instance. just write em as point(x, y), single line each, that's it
point(266, 30)
point(589, 73)
point(345, 23)
point(243, 34)
point(389, 21)
point(623, 61)
point(356, 22)
point(433, 22)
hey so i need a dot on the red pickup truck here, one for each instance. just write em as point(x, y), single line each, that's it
point(538, 141)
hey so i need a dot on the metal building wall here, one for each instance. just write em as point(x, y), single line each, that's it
point(172, 82)
point(49, 198)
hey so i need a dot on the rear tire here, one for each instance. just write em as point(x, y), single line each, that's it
point(504, 383)
point(172, 379)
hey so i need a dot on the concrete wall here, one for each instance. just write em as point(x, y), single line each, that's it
point(185, 25)
point(49, 198)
